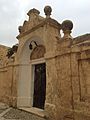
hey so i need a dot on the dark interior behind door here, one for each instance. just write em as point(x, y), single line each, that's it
point(39, 85)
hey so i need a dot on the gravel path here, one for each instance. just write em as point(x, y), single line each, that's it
point(21, 115)
point(7, 113)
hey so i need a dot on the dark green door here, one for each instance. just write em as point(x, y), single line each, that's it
point(39, 86)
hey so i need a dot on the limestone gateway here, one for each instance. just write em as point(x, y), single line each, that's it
point(45, 71)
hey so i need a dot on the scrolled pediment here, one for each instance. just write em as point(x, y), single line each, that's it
point(34, 20)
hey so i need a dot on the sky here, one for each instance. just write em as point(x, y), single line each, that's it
point(14, 12)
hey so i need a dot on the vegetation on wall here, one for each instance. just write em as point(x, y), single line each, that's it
point(12, 50)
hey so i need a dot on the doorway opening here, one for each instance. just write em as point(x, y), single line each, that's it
point(39, 85)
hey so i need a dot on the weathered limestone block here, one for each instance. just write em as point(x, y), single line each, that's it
point(6, 84)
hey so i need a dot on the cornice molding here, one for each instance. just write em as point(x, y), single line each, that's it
point(48, 21)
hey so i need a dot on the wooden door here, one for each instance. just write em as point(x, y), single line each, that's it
point(39, 86)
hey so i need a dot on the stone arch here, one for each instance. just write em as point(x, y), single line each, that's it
point(24, 48)
point(25, 83)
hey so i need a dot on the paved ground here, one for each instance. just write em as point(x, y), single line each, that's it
point(7, 113)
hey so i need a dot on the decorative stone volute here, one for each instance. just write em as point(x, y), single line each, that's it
point(47, 11)
point(20, 29)
point(67, 26)
point(24, 23)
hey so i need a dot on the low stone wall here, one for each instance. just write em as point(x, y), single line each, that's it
point(68, 75)
point(6, 79)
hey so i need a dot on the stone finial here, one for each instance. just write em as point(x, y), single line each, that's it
point(67, 26)
point(34, 11)
point(47, 11)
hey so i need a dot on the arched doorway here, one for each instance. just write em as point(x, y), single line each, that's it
point(32, 61)
point(39, 76)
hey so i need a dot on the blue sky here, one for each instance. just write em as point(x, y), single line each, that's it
point(14, 12)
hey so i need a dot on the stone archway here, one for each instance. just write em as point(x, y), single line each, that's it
point(29, 58)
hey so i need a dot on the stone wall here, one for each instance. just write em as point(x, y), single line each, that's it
point(68, 77)
point(6, 76)
point(6, 84)
point(3, 52)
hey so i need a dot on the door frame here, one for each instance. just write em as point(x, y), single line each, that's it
point(32, 67)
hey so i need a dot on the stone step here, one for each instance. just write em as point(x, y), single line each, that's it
point(21, 115)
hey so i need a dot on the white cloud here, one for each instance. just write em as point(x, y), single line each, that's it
point(13, 13)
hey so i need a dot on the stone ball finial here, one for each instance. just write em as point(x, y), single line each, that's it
point(67, 25)
point(47, 11)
